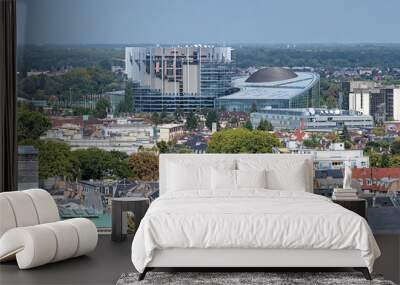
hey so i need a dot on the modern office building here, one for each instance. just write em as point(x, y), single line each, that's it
point(312, 119)
point(186, 78)
point(273, 87)
point(381, 102)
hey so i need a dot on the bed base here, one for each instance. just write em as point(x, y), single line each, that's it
point(242, 260)
point(363, 270)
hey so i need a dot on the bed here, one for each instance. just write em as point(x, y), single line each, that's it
point(247, 211)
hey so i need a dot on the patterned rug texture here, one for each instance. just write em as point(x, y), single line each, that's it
point(244, 278)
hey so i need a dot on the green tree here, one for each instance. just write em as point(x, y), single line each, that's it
point(247, 125)
point(55, 159)
point(79, 111)
point(178, 114)
point(374, 159)
point(31, 124)
point(128, 104)
point(348, 144)
point(242, 141)
point(379, 131)
point(162, 147)
point(102, 108)
point(345, 135)
point(265, 125)
point(311, 143)
point(331, 102)
point(96, 163)
point(395, 161)
point(155, 118)
point(385, 161)
point(144, 166)
point(118, 155)
point(212, 117)
point(164, 117)
point(191, 121)
point(395, 147)
point(105, 64)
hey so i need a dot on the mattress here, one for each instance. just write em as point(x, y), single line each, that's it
point(250, 219)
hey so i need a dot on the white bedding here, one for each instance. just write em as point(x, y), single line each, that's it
point(252, 218)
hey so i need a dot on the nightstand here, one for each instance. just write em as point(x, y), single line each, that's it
point(358, 206)
point(137, 205)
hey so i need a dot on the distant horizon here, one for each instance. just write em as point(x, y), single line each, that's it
point(278, 44)
point(209, 21)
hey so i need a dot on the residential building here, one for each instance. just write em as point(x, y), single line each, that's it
point(168, 132)
point(125, 135)
point(186, 78)
point(374, 180)
point(392, 126)
point(312, 119)
point(329, 166)
point(327, 160)
point(273, 87)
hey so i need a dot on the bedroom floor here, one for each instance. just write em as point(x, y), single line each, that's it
point(103, 266)
point(106, 264)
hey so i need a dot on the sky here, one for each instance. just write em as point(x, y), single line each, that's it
point(207, 21)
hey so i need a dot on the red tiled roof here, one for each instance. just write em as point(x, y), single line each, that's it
point(376, 173)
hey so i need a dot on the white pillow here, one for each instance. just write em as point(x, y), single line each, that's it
point(251, 178)
point(278, 179)
point(182, 177)
point(288, 173)
point(223, 179)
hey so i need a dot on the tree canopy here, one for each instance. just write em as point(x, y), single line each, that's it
point(144, 166)
point(55, 159)
point(212, 117)
point(94, 163)
point(242, 141)
point(395, 147)
point(247, 125)
point(102, 108)
point(191, 121)
point(71, 86)
point(31, 124)
point(127, 105)
point(265, 125)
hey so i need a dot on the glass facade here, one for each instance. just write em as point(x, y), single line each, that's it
point(307, 99)
point(189, 78)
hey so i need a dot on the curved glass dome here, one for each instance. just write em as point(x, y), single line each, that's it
point(271, 74)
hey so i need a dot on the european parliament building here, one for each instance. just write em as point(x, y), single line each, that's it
point(188, 78)
point(273, 87)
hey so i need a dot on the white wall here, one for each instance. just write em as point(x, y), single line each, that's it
point(396, 104)
point(359, 102)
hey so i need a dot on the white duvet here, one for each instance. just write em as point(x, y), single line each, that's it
point(250, 219)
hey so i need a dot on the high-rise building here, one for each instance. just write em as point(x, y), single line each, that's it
point(381, 102)
point(186, 78)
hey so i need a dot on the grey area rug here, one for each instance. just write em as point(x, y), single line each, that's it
point(228, 278)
